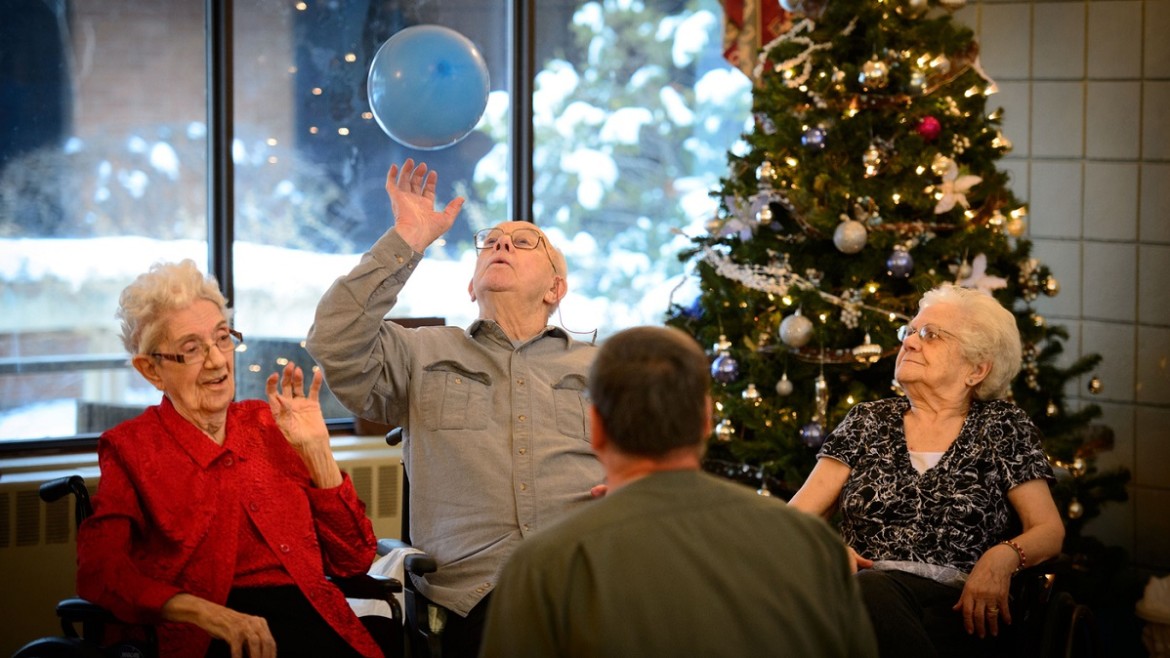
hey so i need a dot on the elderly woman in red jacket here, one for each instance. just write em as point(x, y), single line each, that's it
point(216, 520)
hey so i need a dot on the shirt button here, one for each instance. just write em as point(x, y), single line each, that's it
point(253, 506)
point(400, 259)
point(523, 451)
point(228, 461)
point(523, 487)
point(520, 382)
point(526, 528)
point(284, 548)
point(523, 418)
point(458, 380)
point(479, 590)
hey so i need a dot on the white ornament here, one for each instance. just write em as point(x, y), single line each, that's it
point(978, 278)
point(796, 330)
point(953, 189)
point(850, 236)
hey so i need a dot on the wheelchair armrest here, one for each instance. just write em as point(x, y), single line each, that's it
point(415, 563)
point(78, 610)
point(420, 563)
point(386, 545)
point(367, 586)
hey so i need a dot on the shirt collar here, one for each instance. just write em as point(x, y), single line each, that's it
point(493, 329)
point(193, 440)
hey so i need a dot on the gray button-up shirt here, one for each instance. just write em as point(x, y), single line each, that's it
point(495, 434)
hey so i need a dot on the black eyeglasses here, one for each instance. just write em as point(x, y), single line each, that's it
point(522, 238)
point(927, 332)
point(195, 351)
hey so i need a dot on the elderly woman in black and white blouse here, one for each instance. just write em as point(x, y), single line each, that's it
point(943, 493)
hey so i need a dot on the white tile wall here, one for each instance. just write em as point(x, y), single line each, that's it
point(1114, 49)
point(1156, 59)
point(1153, 372)
point(1154, 285)
point(1156, 120)
point(1111, 201)
point(1055, 199)
point(1154, 214)
point(1058, 119)
point(1093, 110)
point(1109, 267)
point(1115, 341)
point(1011, 23)
point(1058, 47)
point(1112, 125)
point(1063, 257)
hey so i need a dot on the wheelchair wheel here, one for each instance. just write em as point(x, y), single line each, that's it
point(57, 647)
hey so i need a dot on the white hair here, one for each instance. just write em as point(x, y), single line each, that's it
point(146, 303)
point(987, 333)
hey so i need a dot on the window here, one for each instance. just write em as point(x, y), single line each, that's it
point(104, 158)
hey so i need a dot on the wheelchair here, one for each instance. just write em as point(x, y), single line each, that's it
point(84, 625)
point(1051, 623)
point(424, 618)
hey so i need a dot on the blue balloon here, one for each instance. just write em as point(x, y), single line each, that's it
point(428, 87)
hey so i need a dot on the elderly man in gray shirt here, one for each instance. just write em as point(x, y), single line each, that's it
point(494, 417)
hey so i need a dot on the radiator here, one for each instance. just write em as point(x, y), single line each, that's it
point(37, 555)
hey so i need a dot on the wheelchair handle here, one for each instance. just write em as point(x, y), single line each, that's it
point(54, 490)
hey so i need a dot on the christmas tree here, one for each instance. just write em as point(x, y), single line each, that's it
point(868, 178)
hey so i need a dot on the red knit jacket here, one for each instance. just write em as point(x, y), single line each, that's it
point(167, 514)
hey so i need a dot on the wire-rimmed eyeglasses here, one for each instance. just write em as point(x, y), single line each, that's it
point(196, 351)
point(522, 238)
point(927, 332)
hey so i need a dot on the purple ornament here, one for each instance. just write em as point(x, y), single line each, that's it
point(813, 435)
point(900, 263)
point(725, 369)
point(814, 138)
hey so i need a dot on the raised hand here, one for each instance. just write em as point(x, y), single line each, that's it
point(298, 415)
point(301, 421)
point(411, 189)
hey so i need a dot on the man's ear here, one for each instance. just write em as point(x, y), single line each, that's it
point(708, 418)
point(557, 291)
point(471, 289)
point(148, 368)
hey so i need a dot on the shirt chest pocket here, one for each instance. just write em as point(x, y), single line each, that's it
point(569, 399)
point(455, 397)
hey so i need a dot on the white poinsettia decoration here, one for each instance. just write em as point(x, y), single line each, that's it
point(953, 189)
point(980, 279)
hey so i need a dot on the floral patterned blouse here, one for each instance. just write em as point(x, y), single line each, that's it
point(953, 512)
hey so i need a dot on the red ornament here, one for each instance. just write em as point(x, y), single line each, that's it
point(929, 128)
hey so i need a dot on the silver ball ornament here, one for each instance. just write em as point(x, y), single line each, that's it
point(850, 236)
point(784, 386)
point(796, 330)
